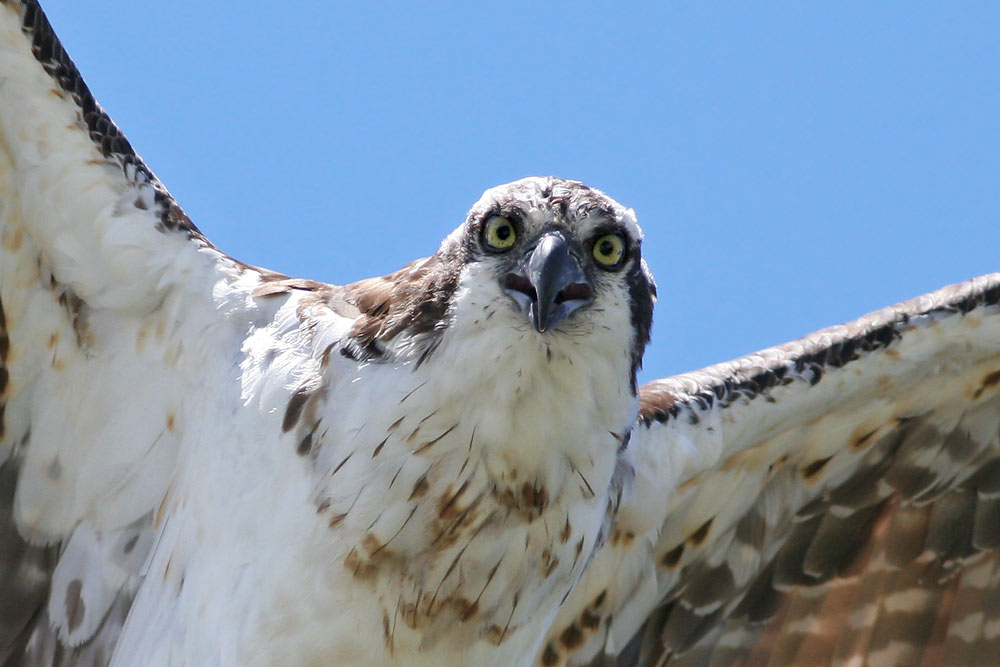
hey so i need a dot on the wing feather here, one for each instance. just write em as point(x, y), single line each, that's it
point(825, 500)
point(113, 310)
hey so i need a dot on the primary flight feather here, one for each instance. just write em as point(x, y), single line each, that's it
point(204, 462)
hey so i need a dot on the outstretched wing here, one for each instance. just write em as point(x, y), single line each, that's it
point(113, 314)
point(833, 499)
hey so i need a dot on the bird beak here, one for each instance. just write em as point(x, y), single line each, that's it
point(549, 286)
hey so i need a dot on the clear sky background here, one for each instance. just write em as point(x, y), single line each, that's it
point(793, 165)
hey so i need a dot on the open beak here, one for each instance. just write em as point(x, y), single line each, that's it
point(549, 286)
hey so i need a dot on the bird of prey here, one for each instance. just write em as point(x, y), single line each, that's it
point(209, 463)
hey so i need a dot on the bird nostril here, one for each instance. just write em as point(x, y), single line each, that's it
point(575, 292)
point(521, 284)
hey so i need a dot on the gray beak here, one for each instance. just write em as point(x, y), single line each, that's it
point(549, 285)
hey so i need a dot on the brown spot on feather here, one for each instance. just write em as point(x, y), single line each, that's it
point(341, 464)
point(371, 543)
point(294, 410)
point(698, 536)
point(550, 657)
point(859, 442)
point(325, 359)
point(694, 481)
point(815, 467)
point(494, 634)
point(413, 617)
point(578, 551)
point(571, 637)
point(586, 483)
point(11, 239)
point(386, 632)
point(549, 563)
point(565, 533)
point(305, 445)
point(358, 567)
point(74, 307)
point(447, 511)
point(672, 557)
point(420, 488)
point(427, 445)
point(75, 608)
point(449, 528)
point(622, 537)
point(534, 497)
point(991, 380)
point(599, 600)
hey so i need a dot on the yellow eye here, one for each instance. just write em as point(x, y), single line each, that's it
point(499, 234)
point(609, 250)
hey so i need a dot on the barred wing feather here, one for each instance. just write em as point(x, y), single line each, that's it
point(833, 500)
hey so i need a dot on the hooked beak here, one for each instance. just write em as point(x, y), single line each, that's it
point(549, 286)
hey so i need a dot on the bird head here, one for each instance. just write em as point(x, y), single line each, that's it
point(551, 259)
point(556, 260)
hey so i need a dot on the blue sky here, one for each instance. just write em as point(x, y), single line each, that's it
point(793, 165)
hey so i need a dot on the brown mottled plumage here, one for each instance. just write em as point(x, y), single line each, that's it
point(876, 549)
point(415, 298)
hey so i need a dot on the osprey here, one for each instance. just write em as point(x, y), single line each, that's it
point(204, 462)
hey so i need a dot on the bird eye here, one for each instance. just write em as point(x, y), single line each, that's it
point(499, 234)
point(609, 251)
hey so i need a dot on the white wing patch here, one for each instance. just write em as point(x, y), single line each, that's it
point(108, 329)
